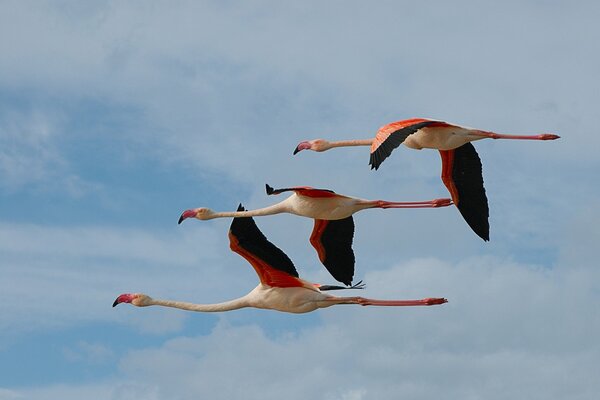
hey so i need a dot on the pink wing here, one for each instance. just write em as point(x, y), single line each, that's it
point(392, 135)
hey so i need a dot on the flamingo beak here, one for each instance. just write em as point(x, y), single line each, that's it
point(302, 146)
point(124, 298)
point(186, 214)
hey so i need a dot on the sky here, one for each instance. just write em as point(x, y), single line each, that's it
point(115, 116)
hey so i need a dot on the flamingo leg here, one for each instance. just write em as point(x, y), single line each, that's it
point(414, 204)
point(493, 135)
point(430, 301)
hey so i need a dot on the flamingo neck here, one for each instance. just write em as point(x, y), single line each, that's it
point(235, 304)
point(347, 143)
point(270, 210)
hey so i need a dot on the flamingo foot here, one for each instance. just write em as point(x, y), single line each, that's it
point(431, 301)
point(441, 202)
point(548, 136)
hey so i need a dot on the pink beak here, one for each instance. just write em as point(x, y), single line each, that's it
point(186, 214)
point(302, 146)
point(124, 298)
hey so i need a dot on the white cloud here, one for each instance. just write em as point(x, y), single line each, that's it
point(66, 392)
point(6, 394)
point(58, 277)
point(234, 107)
point(30, 153)
point(509, 330)
point(26, 151)
point(279, 74)
point(94, 353)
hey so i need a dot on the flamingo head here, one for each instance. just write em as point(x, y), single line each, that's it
point(314, 145)
point(198, 213)
point(136, 299)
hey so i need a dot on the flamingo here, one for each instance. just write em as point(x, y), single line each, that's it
point(280, 287)
point(461, 166)
point(333, 230)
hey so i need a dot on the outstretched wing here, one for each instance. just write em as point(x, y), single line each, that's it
point(273, 266)
point(392, 135)
point(303, 191)
point(462, 175)
point(333, 242)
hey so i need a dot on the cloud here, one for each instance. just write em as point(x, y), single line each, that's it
point(30, 154)
point(227, 113)
point(88, 352)
point(509, 330)
point(6, 394)
point(26, 151)
point(46, 268)
point(226, 104)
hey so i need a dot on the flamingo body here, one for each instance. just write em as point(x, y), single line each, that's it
point(279, 289)
point(333, 231)
point(320, 203)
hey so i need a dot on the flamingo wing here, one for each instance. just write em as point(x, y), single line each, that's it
point(333, 242)
point(462, 175)
point(392, 135)
point(273, 266)
point(303, 191)
point(323, 288)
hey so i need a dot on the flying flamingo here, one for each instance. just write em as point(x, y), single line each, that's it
point(279, 289)
point(461, 166)
point(333, 230)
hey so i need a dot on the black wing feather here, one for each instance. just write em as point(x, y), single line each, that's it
point(339, 257)
point(271, 191)
point(468, 179)
point(394, 140)
point(251, 239)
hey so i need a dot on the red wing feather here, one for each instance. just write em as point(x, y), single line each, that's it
point(447, 165)
point(267, 274)
point(273, 266)
point(303, 191)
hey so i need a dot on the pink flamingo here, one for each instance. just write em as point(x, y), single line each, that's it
point(279, 289)
point(333, 230)
point(461, 166)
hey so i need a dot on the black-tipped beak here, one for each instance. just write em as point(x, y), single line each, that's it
point(124, 298)
point(302, 146)
point(186, 214)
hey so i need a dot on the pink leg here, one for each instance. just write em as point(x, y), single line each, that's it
point(492, 135)
point(430, 301)
point(413, 204)
point(399, 303)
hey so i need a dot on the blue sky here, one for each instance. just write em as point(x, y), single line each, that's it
point(116, 116)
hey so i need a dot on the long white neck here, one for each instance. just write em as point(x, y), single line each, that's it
point(235, 304)
point(278, 208)
point(346, 143)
